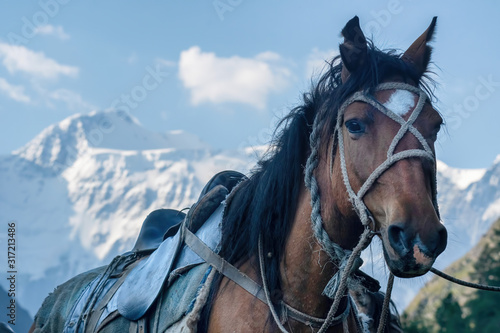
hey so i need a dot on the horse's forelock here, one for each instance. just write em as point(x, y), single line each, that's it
point(380, 66)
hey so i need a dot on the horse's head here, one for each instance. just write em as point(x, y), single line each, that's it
point(382, 151)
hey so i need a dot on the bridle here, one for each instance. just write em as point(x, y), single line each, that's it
point(364, 214)
point(406, 127)
point(350, 260)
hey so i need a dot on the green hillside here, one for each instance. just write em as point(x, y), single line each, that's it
point(442, 306)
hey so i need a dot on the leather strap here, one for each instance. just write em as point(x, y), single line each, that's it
point(133, 327)
point(245, 282)
point(141, 325)
point(96, 314)
point(222, 265)
point(137, 326)
point(112, 316)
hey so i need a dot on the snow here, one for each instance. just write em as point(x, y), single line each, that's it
point(494, 181)
point(492, 212)
point(462, 178)
point(497, 160)
point(115, 130)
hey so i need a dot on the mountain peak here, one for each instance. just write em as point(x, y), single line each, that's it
point(497, 160)
point(61, 143)
point(461, 178)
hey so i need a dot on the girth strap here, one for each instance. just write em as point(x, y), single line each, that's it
point(245, 282)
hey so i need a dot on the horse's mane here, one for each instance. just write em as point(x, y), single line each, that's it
point(265, 203)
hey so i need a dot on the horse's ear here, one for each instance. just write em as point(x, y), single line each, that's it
point(354, 50)
point(419, 53)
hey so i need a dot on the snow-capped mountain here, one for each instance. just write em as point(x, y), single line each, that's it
point(470, 202)
point(80, 190)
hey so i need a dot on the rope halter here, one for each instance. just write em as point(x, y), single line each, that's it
point(406, 126)
point(348, 260)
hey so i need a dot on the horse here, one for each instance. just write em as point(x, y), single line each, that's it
point(354, 161)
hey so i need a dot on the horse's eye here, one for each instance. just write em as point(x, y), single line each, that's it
point(355, 126)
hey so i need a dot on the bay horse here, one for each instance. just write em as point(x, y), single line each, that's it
point(355, 160)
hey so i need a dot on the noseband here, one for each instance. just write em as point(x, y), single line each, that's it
point(348, 260)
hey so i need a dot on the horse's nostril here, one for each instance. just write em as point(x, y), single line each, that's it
point(437, 242)
point(443, 241)
point(398, 240)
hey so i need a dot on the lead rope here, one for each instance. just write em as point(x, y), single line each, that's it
point(385, 307)
point(364, 241)
point(462, 282)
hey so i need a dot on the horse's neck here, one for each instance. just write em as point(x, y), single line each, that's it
point(305, 268)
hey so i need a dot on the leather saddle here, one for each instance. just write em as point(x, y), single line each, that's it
point(154, 227)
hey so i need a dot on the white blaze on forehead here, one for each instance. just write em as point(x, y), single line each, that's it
point(400, 102)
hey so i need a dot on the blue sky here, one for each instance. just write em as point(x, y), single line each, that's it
point(180, 64)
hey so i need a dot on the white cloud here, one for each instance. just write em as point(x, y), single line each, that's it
point(235, 79)
point(50, 30)
point(14, 92)
point(18, 58)
point(73, 101)
point(317, 61)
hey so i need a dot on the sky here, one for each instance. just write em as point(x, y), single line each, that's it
point(226, 70)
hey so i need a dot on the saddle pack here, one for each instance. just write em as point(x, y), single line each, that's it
point(160, 265)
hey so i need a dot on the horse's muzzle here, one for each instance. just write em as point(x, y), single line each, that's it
point(408, 254)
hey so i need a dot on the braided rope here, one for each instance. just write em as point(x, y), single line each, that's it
point(335, 251)
point(346, 259)
point(364, 241)
point(464, 283)
point(385, 307)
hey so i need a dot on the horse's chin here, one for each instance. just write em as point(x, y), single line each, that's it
point(407, 267)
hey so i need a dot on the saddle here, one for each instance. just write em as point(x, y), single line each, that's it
point(155, 226)
point(130, 285)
